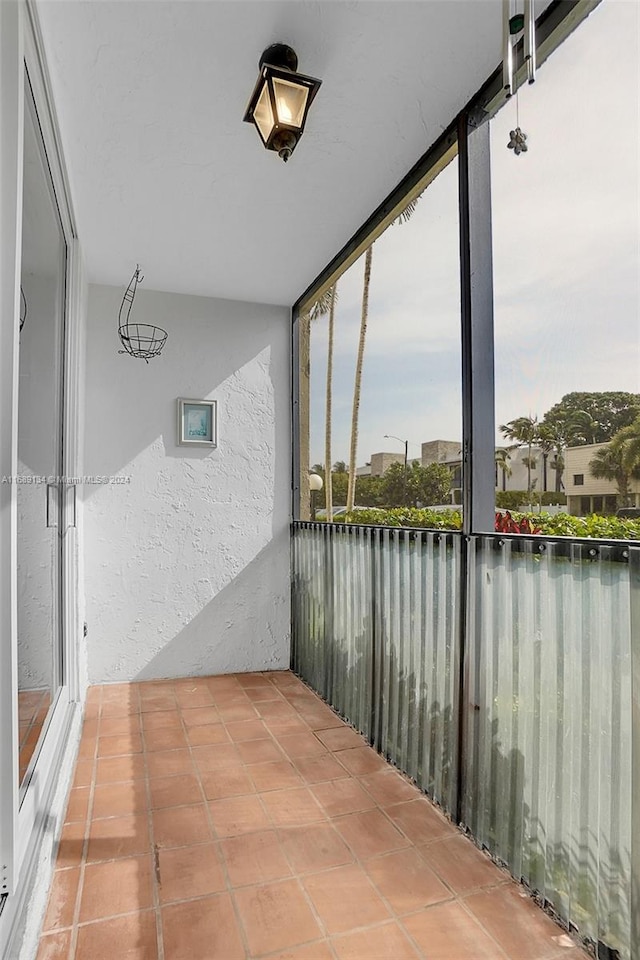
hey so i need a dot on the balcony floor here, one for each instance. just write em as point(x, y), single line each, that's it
point(239, 817)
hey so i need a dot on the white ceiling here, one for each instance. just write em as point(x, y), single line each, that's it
point(150, 99)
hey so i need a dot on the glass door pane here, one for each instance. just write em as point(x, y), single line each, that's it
point(39, 490)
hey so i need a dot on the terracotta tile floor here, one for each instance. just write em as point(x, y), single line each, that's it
point(238, 817)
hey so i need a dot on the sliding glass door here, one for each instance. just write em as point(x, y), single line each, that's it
point(41, 300)
point(40, 492)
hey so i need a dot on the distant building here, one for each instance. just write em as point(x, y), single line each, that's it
point(380, 462)
point(543, 476)
point(441, 451)
point(449, 453)
point(515, 477)
point(585, 493)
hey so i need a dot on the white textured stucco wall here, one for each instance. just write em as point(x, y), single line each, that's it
point(187, 564)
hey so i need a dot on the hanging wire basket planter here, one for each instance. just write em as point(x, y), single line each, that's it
point(141, 340)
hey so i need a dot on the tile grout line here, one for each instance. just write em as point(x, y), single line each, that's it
point(394, 917)
point(397, 917)
point(214, 833)
point(277, 829)
point(456, 898)
point(73, 942)
point(471, 914)
point(296, 875)
point(155, 872)
point(274, 828)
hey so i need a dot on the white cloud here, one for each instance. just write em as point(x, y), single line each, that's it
point(566, 252)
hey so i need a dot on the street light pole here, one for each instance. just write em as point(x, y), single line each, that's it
point(315, 485)
point(390, 436)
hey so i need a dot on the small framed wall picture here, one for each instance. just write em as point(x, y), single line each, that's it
point(197, 423)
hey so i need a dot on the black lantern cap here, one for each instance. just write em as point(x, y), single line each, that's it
point(280, 55)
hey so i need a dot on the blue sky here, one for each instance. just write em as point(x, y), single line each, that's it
point(566, 253)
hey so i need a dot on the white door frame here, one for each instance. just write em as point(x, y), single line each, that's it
point(24, 825)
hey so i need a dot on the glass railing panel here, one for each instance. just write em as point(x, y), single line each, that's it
point(383, 651)
point(417, 621)
point(350, 627)
point(309, 606)
point(332, 617)
point(548, 724)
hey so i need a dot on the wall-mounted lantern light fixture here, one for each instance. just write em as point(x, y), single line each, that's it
point(280, 101)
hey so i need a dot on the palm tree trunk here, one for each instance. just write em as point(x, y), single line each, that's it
point(623, 488)
point(328, 480)
point(529, 473)
point(353, 452)
point(558, 471)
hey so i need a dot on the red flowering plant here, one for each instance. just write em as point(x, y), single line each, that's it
point(505, 523)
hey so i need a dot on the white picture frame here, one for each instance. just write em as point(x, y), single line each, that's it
point(197, 422)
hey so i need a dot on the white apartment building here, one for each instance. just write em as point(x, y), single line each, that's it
point(588, 494)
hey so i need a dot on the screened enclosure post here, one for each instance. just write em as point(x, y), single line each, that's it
point(293, 618)
point(461, 693)
point(476, 295)
point(299, 416)
point(374, 679)
point(328, 632)
point(634, 580)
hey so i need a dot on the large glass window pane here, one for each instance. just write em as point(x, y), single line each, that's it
point(565, 223)
point(39, 490)
point(389, 352)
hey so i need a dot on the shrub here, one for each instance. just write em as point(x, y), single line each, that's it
point(605, 528)
point(407, 517)
point(558, 525)
point(514, 499)
point(505, 523)
point(551, 499)
point(511, 499)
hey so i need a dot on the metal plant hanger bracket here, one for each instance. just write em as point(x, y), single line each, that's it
point(141, 340)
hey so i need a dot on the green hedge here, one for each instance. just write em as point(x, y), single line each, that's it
point(514, 499)
point(405, 517)
point(558, 525)
point(511, 499)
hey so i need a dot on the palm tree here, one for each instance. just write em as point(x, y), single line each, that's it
point(403, 217)
point(582, 423)
point(609, 464)
point(502, 457)
point(364, 316)
point(627, 440)
point(524, 430)
point(552, 440)
point(557, 464)
point(326, 304)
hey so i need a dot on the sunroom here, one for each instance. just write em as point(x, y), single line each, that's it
point(302, 653)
